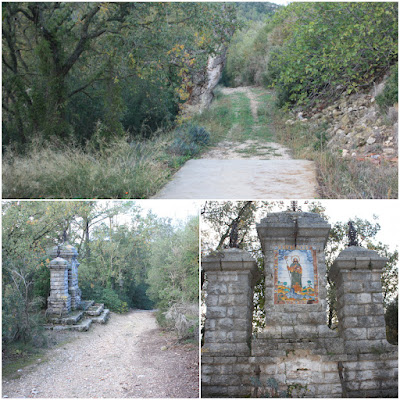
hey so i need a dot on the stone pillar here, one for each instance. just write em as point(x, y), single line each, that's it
point(69, 253)
point(295, 302)
point(230, 279)
point(231, 276)
point(357, 274)
point(373, 369)
point(302, 352)
point(59, 301)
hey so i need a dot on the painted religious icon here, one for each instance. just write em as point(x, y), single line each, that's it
point(295, 275)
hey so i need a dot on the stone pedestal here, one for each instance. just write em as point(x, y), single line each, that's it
point(373, 369)
point(69, 253)
point(59, 301)
point(231, 276)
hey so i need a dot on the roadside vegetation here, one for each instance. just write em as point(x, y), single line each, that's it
point(308, 55)
point(120, 169)
point(92, 93)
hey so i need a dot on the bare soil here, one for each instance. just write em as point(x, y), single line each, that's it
point(129, 357)
point(249, 149)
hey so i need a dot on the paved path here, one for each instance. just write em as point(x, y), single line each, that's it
point(242, 179)
point(227, 172)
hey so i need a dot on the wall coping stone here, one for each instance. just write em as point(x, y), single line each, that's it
point(357, 258)
point(66, 250)
point(59, 263)
point(232, 259)
point(282, 225)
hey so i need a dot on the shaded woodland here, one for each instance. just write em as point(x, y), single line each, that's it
point(128, 259)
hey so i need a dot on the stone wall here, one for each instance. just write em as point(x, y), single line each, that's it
point(372, 367)
point(296, 355)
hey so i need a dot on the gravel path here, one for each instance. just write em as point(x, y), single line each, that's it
point(128, 357)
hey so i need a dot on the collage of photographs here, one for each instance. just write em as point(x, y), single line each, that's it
point(200, 199)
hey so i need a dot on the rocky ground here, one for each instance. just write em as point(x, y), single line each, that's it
point(130, 357)
point(356, 128)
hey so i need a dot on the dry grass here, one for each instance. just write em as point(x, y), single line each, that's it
point(338, 178)
point(120, 170)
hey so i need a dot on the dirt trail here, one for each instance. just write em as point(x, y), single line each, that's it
point(249, 149)
point(128, 357)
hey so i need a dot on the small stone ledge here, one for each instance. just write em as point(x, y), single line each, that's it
point(72, 318)
point(82, 326)
point(102, 318)
point(94, 310)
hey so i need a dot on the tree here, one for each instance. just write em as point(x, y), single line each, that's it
point(67, 66)
point(173, 272)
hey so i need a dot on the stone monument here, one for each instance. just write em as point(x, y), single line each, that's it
point(65, 308)
point(296, 355)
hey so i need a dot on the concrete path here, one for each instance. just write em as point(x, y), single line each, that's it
point(242, 179)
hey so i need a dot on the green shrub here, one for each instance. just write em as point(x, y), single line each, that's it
point(330, 48)
point(107, 296)
point(390, 94)
point(41, 282)
point(20, 318)
point(392, 321)
point(189, 140)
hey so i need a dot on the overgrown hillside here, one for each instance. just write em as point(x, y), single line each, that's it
point(333, 69)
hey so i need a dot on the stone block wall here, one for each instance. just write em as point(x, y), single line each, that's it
point(372, 369)
point(231, 276)
point(59, 301)
point(296, 354)
point(70, 254)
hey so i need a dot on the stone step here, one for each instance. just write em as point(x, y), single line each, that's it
point(85, 304)
point(71, 319)
point(103, 318)
point(95, 310)
point(82, 326)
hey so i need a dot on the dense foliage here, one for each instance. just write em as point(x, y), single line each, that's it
point(331, 48)
point(127, 259)
point(255, 11)
point(315, 51)
point(78, 70)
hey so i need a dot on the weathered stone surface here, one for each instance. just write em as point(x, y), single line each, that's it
point(65, 295)
point(297, 351)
